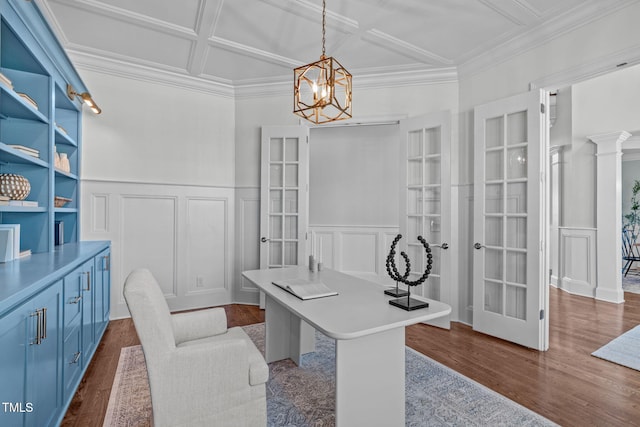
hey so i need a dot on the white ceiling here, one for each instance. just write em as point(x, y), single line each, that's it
point(247, 42)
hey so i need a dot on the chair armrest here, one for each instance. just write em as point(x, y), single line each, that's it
point(194, 325)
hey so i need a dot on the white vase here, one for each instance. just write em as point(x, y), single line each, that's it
point(64, 163)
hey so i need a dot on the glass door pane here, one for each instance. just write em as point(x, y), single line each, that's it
point(284, 179)
point(425, 204)
point(423, 210)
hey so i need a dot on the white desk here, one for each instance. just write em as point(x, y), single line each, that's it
point(369, 334)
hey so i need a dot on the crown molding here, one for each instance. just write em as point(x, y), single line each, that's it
point(276, 86)
point(482, 59)
point(381, 79)
point(152, 74)
point(632, 143)
point(617, 60)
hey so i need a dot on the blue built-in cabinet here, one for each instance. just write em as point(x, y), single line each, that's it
point(54, 309)
point(54, 304)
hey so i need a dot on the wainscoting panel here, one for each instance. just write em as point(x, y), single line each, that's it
point(357, 250)
point(206, 218)
point(247, 243)
point(148, 229)
point(100, 210)
point(577, 262)
point(183, 234)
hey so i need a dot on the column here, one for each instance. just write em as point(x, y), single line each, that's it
point(609, 215)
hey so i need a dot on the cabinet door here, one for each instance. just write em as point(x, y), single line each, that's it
point(15, 331)
point(102, 291)
point(83, 276)
point(30, 361)
point(86, 276)
point(44, 358)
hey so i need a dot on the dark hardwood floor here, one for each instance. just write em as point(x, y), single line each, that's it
point(565, 384)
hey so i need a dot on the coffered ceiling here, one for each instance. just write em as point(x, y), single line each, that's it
point(248, 42)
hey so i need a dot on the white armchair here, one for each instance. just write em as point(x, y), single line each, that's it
point(200, 372)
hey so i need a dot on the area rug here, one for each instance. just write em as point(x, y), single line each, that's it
point(624, 350)
point(304, 396)
point(631, 282)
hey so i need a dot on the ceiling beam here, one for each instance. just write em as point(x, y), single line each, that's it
point(253, 52)
point(402, 47)
point(208, 16)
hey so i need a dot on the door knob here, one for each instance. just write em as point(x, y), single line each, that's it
point(443, 246)
point(478, 246)
point(264, 240)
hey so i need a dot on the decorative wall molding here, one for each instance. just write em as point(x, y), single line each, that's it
point(357, 250)
point(588, 70)
point(383, 78)
point(183, 234)
point(148, 73)
point(247, 238)
point(577, 262)
point(162, 184)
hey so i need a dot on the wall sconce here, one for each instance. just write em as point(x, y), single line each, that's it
point(85, 98)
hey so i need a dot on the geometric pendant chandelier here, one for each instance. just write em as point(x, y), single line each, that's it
point(322, 89)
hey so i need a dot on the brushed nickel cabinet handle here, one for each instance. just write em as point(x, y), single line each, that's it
point(44, 323)
point(76, 357)
point(37, 338)
point(88, 274)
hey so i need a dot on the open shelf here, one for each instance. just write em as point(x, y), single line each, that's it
point(45, 122)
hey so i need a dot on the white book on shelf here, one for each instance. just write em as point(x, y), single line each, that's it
point(24, 149)
point(16, 237)
point(24, 203)
point(6, 244)
point(305, 289)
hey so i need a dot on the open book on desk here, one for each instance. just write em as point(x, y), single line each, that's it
point(305, 289)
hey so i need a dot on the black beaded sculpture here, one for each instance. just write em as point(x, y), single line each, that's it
point(407, 303)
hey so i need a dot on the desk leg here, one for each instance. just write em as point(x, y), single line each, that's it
point(287, 336)
point(370, 380)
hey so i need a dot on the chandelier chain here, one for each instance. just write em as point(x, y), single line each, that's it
point(324, 11)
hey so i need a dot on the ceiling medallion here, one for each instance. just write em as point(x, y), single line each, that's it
point(322, 89)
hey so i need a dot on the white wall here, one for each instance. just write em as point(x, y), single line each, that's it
point(155, 133)
point(353, 175)
point(158, 171)
point(254, 112)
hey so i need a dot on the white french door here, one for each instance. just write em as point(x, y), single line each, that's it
point(425, 202)
point(284, 196)
point(510, 295)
